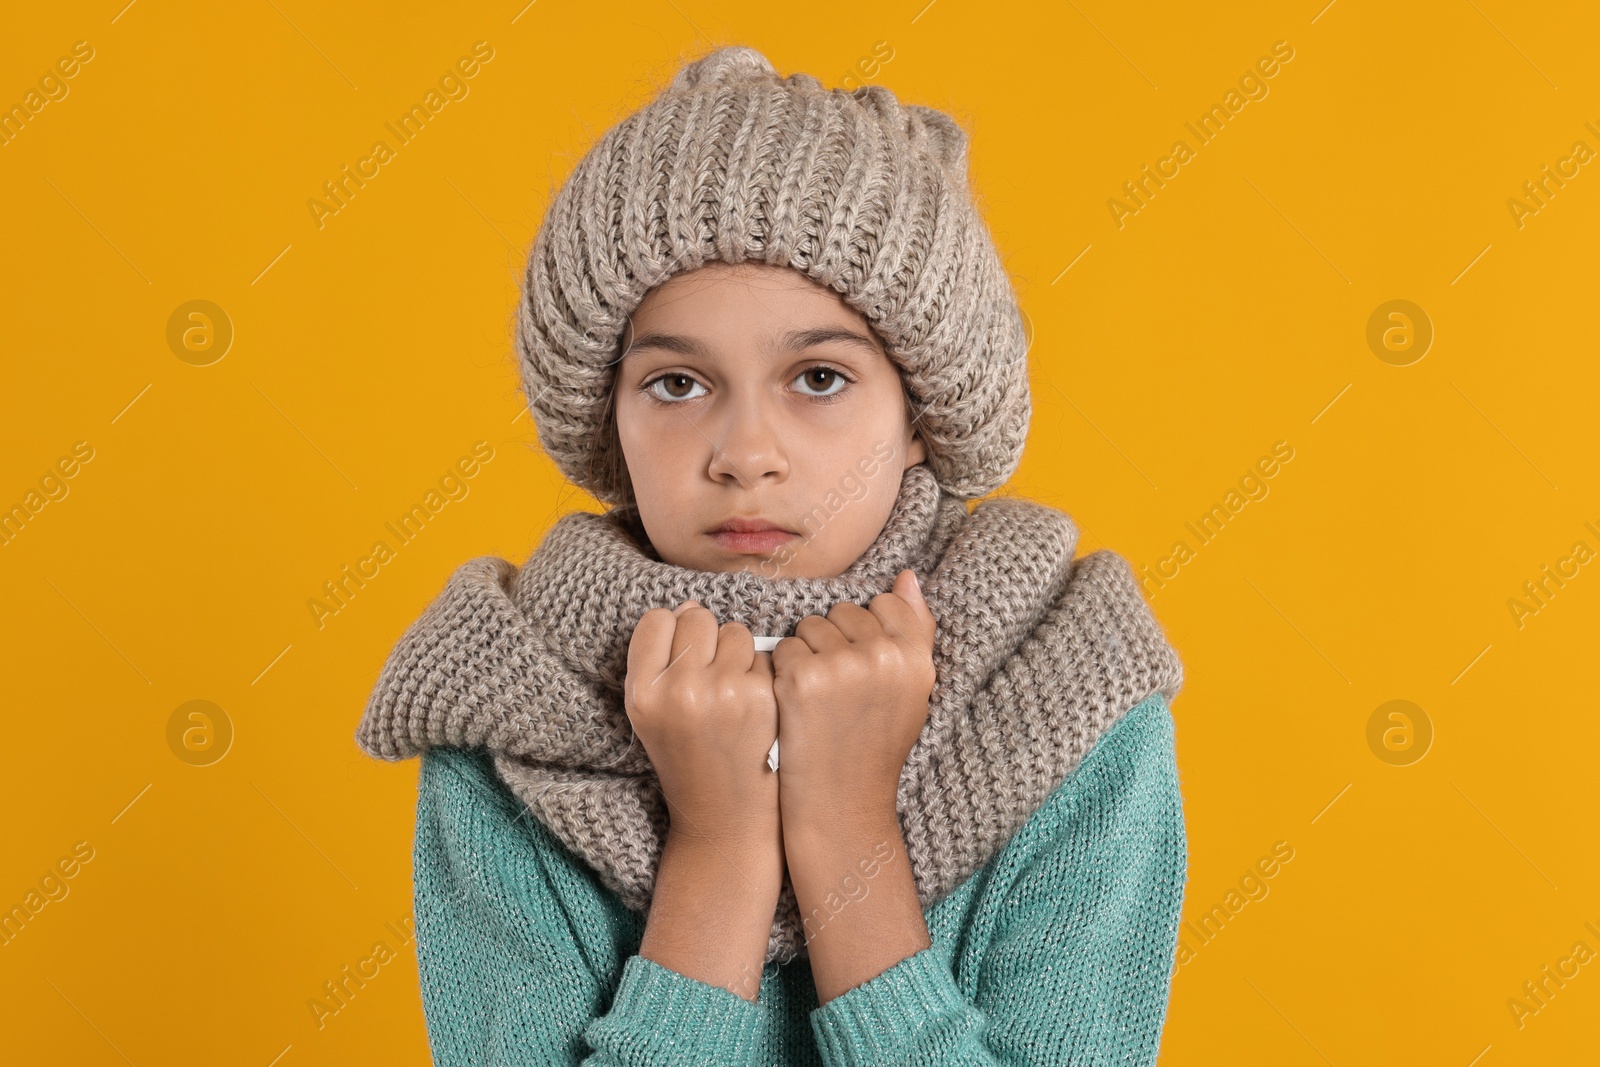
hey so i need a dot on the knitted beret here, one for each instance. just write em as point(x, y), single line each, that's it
point(860, 193)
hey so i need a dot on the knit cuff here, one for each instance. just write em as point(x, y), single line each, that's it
point(661, 1017)
point(909, 1005)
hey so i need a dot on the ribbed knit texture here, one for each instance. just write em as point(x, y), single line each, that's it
point(1059, 950)
point(1036, 655)
point(861, 194)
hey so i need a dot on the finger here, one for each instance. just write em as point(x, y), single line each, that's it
point(787, 651)
point(820, 634)
point(913, 591)
point(905, 612)
point(736, 647)
point(694, 637)
point(650, 647)
point(855, 622)
point(909, 588)
point(761, 665)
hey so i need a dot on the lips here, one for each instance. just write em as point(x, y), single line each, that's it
point(754, 536)
point(737, 525)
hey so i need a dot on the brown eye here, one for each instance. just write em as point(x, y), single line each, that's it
point(827, 375)
point(675, 383)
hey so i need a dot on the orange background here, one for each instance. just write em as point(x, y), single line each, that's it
point(1228, 314)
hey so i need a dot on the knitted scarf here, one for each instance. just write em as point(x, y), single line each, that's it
point(1036, 656)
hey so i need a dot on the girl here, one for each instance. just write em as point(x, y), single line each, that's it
point(790, 756)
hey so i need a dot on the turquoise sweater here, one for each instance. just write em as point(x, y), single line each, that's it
point(1060, 950)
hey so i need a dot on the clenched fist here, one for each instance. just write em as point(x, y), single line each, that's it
point(852, 692)
point(701, 701)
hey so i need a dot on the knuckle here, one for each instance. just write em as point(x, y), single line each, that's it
point(690, 690)
point(640, 707)
point(806, 676)
point(728, 693)
point(883, 656)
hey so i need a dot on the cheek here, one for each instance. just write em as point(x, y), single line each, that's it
point(639, 443)
point(641, 424)
point(863, 508)
point(659, 446)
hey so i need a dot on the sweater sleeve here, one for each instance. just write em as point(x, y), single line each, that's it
point(507, 978)
point(1078, 964)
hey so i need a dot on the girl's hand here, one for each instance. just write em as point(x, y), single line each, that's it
point(852, 692)
point(700, 699)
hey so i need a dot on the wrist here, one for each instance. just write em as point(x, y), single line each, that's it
point(744, 841)
point(816, 824)
point(711, 913)
point(840, 840)
point(748, 869)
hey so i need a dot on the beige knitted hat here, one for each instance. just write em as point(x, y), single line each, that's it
point(732, 162)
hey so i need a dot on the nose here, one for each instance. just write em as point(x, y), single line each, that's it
point(745, 448)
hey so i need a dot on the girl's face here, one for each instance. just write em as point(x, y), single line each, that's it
point(750, 392)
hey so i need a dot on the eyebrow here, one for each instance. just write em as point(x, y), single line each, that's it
point(793, 340)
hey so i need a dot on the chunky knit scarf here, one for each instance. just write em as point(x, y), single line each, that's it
point(1037, 654)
